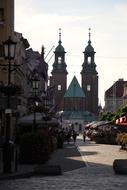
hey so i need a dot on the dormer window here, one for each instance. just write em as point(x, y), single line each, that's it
point(89, 60)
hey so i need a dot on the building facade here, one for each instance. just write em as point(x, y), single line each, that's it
point(125, 94)
point(6, 27)
point(115, 96)
point(6, 30)
point(6, 19)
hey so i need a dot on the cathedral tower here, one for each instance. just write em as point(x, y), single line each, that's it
point(59, 74)
point(89, 79)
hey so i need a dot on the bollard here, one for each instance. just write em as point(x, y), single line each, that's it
point(120, 166)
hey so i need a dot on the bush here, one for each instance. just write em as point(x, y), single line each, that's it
point(105, 138)
point(34, 148)
point(121, 139)
point(100, 138)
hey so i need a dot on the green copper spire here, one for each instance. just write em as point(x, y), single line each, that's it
point(89, 42)
point(89, 48)
point(59, 48)
point(60, 42)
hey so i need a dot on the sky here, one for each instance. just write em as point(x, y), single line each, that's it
point(39, 21)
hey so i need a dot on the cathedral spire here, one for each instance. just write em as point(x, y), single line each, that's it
point(60, 36)
point(89, 47)
point(60, 48)
point(89, 42)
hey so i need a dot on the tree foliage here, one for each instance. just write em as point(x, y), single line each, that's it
point(110, 116)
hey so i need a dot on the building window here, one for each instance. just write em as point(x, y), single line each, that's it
point(59, 87)
point(1, 50)
point(88, 87)
point(1, 15)
point(59, 60)
point(89, 60)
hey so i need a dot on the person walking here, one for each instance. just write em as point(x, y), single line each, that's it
point(74, 135)
point(84, 136)
point(68, 136)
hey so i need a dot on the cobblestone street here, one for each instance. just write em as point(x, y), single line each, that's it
point(96, 175)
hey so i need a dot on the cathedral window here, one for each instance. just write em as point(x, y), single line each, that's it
point(88, 87)
point(59, 87)
point(89, 60)
point(59, 60)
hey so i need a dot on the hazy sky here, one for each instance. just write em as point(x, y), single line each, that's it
point(39, 21)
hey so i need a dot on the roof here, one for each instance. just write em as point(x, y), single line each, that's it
point(74, 90)
point(60, 48)
point(116, 89)
point(89, 49)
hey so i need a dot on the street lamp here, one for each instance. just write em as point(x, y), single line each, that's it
point(35, 86)
point(9, 49)
point(9, 54)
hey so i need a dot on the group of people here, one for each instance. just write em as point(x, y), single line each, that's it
point(70, 133)
point(59, 136)
point(65, 134)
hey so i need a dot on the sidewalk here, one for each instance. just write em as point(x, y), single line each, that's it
point(68, 158)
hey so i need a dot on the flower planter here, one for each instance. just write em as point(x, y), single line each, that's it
point(10, 89)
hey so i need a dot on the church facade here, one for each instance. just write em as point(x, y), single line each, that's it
point(76, 101)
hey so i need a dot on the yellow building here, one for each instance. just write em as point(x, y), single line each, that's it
point(6, 29)
point(6, 19)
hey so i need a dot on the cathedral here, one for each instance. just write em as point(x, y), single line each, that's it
point(76, 102)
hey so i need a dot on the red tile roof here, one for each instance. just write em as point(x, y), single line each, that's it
point(116, 89)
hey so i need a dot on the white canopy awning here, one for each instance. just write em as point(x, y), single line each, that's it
point(28, 120)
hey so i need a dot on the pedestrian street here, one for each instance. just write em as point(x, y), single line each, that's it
point(97, 174)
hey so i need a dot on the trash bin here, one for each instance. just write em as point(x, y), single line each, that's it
point(10, 157)
point(1, 155)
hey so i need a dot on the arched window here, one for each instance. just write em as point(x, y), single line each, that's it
point(59, 60)
point(89, 60)
point(88, 87)
point(59, 87)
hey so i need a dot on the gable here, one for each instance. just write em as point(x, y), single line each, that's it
point(74, 90)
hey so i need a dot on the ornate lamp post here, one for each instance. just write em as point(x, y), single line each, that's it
point(35, 86)
point(9, 54)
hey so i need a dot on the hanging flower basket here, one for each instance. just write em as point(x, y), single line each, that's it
point(10, 89)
